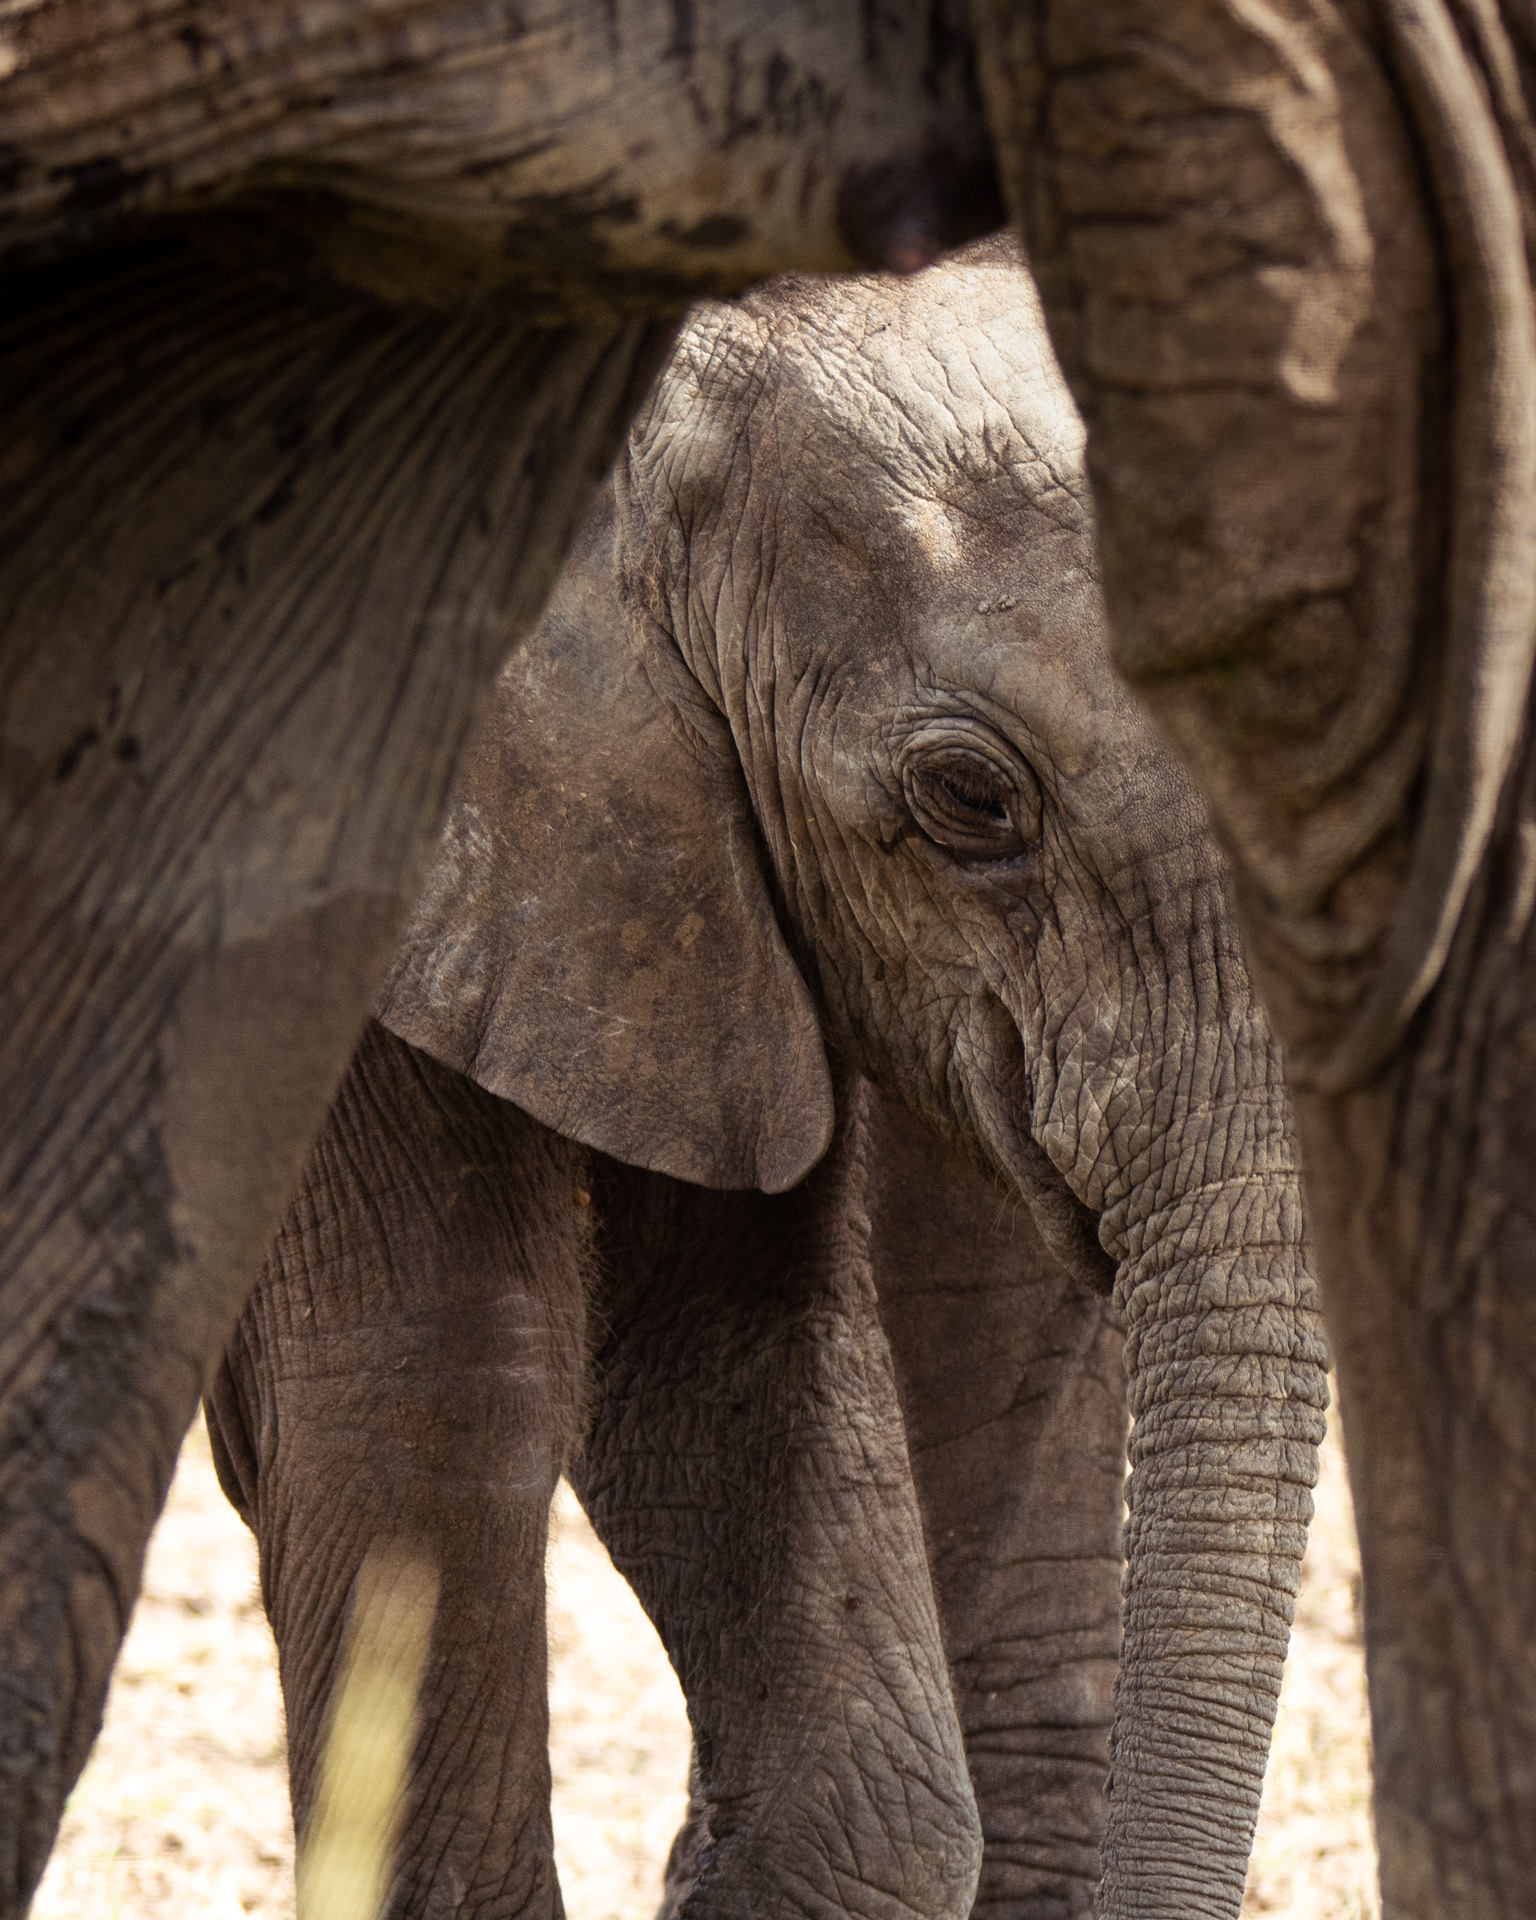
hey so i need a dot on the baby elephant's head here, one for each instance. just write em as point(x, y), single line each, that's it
point(819, 745)
point(818, 748)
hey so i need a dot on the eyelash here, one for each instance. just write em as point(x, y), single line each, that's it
point(966, 804)
point(992, 804)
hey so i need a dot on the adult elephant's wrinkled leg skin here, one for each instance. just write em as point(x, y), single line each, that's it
point(408, 1375)
point(1421, 1191)
point(1012, 1381)
point(261, 559)
point(746, 1468)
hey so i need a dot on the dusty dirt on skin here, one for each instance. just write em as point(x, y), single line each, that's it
point(183, 1810)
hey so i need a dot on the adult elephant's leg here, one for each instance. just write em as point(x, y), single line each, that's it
point(1421, 1190)
point(1012, 1382)
point(408, 1376)
point(747, 1469)
point(260, 560)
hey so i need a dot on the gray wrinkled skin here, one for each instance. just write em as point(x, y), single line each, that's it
point(1285, 257)
point(573, 154)
point(321, 322)
point(826, 704)
point(454, 1291)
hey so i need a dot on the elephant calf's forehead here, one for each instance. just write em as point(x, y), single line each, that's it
point(940, 385)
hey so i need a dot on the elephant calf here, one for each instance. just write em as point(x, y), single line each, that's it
point(815, 881)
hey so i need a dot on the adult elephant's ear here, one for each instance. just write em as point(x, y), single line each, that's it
point(595, 938)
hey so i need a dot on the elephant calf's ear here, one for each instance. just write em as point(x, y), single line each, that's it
point(595, 939)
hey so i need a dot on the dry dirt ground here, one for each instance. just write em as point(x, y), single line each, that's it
point(183, 1810)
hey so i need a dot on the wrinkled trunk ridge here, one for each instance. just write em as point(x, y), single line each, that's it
point(1227, 1368)
point(1218, 1505)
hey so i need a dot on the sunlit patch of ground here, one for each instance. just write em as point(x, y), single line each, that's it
point(1314, 1857)
point(183, 1810)
point(618, 1732)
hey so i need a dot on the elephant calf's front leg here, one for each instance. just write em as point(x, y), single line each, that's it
point(408, 1374)
point(1012, 1381)
point(748, 1471)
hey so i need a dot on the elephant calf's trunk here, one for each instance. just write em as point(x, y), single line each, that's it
point(1227, 1367)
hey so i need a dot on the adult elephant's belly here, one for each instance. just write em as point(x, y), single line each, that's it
point(636, 151)
point(259, 559)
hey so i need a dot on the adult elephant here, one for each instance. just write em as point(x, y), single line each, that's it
point(320, 323)
point(1285, 259)
point(817, 758)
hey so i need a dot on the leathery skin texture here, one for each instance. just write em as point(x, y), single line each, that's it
point(413, 1369)
point(821, 714)
point(321, 323)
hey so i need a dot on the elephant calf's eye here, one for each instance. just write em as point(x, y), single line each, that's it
point(970, 802)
